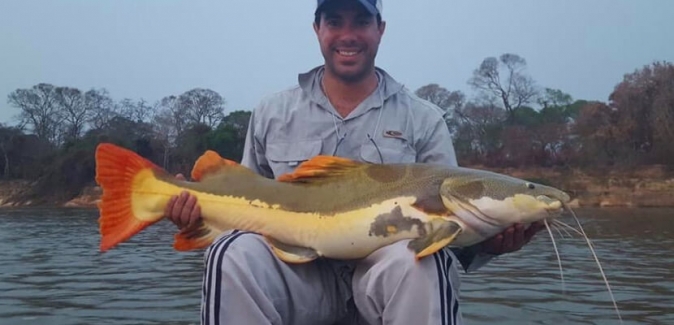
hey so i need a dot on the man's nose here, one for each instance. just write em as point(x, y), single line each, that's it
point(349, 33)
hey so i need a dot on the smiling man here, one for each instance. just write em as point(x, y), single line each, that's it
point(350, 108)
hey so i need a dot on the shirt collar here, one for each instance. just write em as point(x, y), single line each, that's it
point(310, 83)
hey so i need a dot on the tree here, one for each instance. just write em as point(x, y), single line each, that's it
point(102, 107)
point(479, 125)
point(229, 137)
point(554, 97)
point(39, 110)
point(202, 106)
point(8, 135)
point(600, 138)
point(448, 101)
point(644, 102)
point(440, 96)
point(505, 79)
point(139, 111)
point(73, 112)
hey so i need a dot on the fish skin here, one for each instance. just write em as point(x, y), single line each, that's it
point(332, 206)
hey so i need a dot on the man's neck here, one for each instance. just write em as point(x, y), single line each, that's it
point(346, 96)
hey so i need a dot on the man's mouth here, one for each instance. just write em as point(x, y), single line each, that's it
point(348, 53)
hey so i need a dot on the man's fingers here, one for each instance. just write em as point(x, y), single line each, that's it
point(178, 208)
point(169, 208)
point(493, 245)
point(186, 213)
point(532, 230)
point(508, 238)
point(194, 216)
point(518, 236)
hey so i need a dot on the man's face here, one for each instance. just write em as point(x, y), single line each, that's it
point(349, 37)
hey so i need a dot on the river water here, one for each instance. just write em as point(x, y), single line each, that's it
point(52, 273)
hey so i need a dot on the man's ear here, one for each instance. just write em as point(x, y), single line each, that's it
point(316, 27)
point(382, 27)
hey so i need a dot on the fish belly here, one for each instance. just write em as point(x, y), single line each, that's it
point(356, 234)
point(345, 235)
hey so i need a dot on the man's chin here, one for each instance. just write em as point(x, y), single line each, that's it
point(350, 74)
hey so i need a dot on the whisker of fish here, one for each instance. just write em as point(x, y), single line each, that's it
point(601, 270)
point(557, 229)
point(566, 226)
point(559, 260)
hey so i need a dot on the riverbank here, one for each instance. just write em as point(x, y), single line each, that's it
point(651, 186)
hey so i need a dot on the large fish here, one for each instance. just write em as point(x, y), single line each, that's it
point(331, 207)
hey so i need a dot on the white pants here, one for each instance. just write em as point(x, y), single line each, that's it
point(245, 283)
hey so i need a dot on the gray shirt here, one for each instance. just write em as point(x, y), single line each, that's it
point(392, 125)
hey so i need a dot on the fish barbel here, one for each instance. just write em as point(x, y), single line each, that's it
point(328, 207)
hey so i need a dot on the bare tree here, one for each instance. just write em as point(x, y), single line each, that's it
point(39, 110)
point(440, 96)
point(138, 111)
point(102, 108)
point(73, 112)
point(167, 124)
point(203, 106)
point(505, 78)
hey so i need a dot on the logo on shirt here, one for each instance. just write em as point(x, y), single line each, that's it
point(393, 134)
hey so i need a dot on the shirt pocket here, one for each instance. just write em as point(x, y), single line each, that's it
point(285, 156)
point(403, 154)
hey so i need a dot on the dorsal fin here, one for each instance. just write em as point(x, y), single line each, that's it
point(320, 167)
point(209, 162)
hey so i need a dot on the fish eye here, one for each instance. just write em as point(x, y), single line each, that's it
point(531, 186)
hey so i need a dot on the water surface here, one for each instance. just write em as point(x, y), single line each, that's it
point(52, 273)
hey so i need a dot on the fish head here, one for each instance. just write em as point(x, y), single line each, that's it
point(501, 200)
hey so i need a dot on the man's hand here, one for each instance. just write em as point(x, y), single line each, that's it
point(512, 239)
point(183, 209)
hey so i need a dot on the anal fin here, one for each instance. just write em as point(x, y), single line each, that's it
point(291, 254)
point(194, 237)
point(444, 232)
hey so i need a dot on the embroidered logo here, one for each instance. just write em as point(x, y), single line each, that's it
point(393, 134)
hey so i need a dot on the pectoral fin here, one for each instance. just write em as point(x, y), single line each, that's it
point(443, 233)
point(290, 253)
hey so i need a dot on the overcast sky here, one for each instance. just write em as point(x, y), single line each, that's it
point(245, 49)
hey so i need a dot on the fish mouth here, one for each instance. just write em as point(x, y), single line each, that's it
point(552, 205)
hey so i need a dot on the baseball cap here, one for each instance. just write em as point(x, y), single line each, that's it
point(373, 6)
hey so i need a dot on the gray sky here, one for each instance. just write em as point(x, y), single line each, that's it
point(246, 49)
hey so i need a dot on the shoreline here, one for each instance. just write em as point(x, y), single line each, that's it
point(651, 186)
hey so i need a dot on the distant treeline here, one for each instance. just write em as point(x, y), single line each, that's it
point(510, 122)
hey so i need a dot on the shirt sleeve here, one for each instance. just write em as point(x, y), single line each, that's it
point(437, 147)
point(253, 149)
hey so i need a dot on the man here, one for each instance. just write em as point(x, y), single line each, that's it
point(352, 109)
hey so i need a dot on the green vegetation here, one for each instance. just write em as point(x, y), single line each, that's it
point(510, 122)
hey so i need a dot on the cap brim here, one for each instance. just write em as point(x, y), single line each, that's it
point(367, 5)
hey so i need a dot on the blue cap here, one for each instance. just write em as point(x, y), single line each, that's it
point(373, 6)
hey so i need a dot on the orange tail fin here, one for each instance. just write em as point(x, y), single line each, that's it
point(116, 168)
